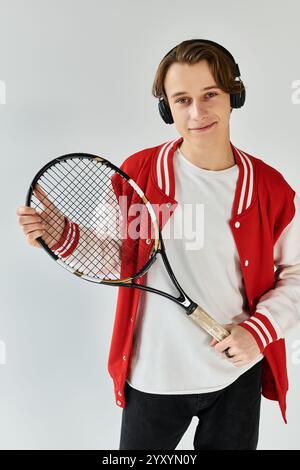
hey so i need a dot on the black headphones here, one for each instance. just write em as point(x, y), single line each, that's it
point(237, 100)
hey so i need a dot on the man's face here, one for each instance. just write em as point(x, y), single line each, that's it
point(197, 107)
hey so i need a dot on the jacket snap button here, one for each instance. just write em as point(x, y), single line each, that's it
point(237, 224)
point(169, 204)
point(119, 393)
point(119, 403)
point(148, 241)
point(246, 262)
point(124, 358)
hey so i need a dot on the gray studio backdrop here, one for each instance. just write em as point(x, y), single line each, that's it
point(76, 75)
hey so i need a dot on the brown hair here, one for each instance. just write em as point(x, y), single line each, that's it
point(192, 51)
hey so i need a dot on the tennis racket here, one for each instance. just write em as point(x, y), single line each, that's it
point(100, 226)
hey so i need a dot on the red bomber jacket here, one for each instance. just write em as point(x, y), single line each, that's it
point(265, 223)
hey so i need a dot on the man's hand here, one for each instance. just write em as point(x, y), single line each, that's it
point(242, 345)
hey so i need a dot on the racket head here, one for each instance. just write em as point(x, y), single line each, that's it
point(89, 203)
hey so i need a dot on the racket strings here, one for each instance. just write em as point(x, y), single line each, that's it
point(85, 203)
point(87, 244)
point(64, 196)
point(97, 199)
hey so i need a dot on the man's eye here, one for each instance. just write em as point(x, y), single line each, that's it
point(213, 93)
point(181, 99)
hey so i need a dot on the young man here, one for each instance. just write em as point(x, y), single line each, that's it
point(172, 374)
point(165, 369)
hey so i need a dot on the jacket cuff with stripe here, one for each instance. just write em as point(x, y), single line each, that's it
point(68, 241)
point(263, 328)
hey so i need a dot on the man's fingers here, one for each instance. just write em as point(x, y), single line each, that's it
point(220, 346)
point(29, 228)
point(25, 210)
point(224, 344)
point(32, 236)
point(30, 219)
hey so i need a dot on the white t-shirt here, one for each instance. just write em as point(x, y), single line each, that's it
point(171, 354)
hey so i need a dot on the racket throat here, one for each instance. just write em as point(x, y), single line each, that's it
point(188, 304)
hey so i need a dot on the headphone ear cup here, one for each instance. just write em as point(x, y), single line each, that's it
point(237, 100)
point(165, 111)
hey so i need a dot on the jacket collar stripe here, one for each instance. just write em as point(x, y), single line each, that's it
point(164, 167)
point(167, 163)
point(164, 174)
point(170, 190)
point(245, 181)
point(250, 188)
point(243, 189)
point(158, 165)
point(171, 175)
point(176, 144)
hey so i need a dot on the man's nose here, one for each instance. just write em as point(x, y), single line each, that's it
point(198, 109)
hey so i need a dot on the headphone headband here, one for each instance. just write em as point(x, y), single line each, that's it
point(213, 43)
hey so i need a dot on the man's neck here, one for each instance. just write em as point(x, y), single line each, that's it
point(217, 157)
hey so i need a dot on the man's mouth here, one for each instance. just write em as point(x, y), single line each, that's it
point(203, 128)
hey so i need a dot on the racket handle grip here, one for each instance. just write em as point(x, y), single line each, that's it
point(207, 323)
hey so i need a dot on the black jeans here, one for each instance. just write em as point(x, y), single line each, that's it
point(228, 418)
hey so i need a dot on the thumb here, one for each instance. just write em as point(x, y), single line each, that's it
point(227, 327)
point(42, 197)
